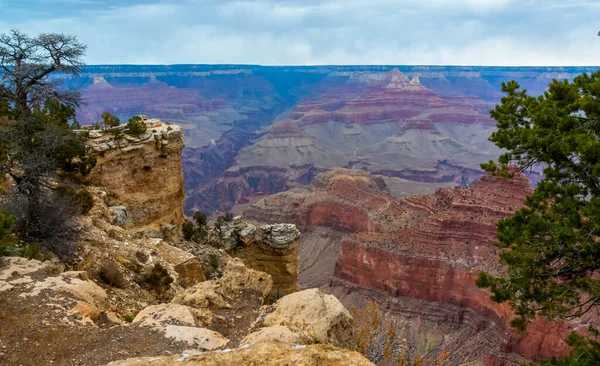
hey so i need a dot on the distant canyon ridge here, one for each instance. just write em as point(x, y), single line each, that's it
point(252, 131)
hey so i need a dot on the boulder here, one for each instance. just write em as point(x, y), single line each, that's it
point(162, 315)
point(278, 333)
point(119, 215)
point(189, 273)
point(268, 248)
point(94, 134)
point(264, 354)
point(236, 279)
point(201, 338)
point(76, 294)
point(315, 314)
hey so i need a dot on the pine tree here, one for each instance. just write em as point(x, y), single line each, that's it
point(552, 245)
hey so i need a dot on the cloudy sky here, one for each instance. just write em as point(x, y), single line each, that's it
point(309, 32)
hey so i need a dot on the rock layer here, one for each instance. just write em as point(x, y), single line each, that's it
point(272, 249)
point(264, 353)
point(143, 174)
point(426, 249)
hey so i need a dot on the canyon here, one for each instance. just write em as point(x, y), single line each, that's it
point(377, 166)
point(254, 130)
point(418, 258)
point(135, 290)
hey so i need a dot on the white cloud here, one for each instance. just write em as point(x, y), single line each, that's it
point(468, 32)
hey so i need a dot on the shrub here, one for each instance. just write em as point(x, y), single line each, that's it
point(6, 241)
point(128, 318)
point(109, 120)
point(46, 218)
point(158, 279)
point(117, 133)
point(6, 223)
point(83, 199)
point(200, 219)
point(136, 126)
point(110, 274)
point(188, 230)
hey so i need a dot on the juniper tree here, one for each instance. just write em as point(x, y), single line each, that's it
point(110, 120)
point(36, 141)
point(551, 245)
point(26, 64)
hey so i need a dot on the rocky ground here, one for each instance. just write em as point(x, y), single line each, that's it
point(68, 314)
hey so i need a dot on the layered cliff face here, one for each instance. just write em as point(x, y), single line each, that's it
point(384, 123)
point(144, 174)
point(418, 257)
point(406, 123)
point(272, 249)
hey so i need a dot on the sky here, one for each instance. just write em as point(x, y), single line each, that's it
point(318, 32)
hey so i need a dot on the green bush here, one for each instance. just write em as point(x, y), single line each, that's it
point(117, 133)
point(188, 230)
point(6, 223)
point(109, 120)
point(83, 199)
point(7, 244)
point(158, 279)
point(136, 126)
point(200, 219)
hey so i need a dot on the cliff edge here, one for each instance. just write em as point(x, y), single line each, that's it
point(144, 174)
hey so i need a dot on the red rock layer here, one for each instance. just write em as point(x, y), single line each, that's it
point(429, 248)
point(383, 98)
point(409, 275)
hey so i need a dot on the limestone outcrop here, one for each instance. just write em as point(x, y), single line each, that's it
point(268, 248)
point(311, 315)
point(236, 279)
point(144, 174)
point(101, 244)
point(266, 353)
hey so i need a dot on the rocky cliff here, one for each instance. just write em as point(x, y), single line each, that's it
point(144, 174)
point(268, 248)
point(135, 291)
point(418, 257)
point(384, 123)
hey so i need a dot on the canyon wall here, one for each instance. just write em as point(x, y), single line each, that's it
point(418, 258)
point(426, 124)
point(144, 174)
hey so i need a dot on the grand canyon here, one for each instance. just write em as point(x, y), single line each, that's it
point(378, 166)
point(253, 130)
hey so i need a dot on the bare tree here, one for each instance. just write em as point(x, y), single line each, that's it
point(36, 141)
point(25, 66)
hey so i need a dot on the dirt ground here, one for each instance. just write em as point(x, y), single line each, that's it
point(30, 335)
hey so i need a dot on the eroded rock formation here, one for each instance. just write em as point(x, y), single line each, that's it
point(143, 174)
point(268, 248)
point(384, 123)
point(418, 257)
point(265, 353)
